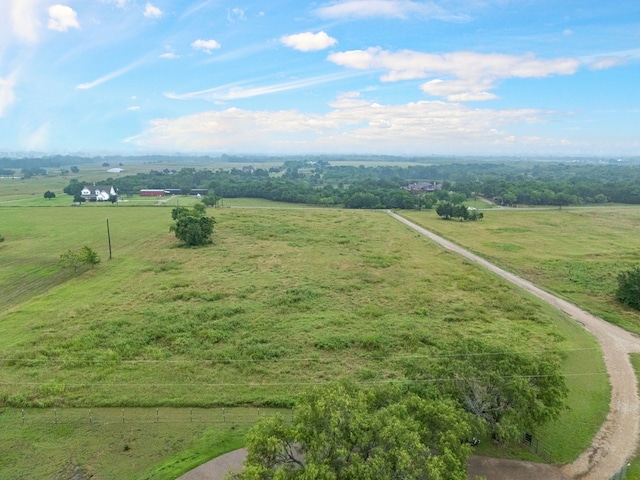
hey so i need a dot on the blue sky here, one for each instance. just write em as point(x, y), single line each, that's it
point(401, 77)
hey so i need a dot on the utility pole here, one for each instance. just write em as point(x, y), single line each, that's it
point(109, 238)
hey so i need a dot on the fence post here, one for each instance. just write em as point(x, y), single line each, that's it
point(123, 415)
point(191, 414)
point(224, 420)
point(23, 416)
point(157, 415)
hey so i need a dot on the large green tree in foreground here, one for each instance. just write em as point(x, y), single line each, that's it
point(192, 226)
point(344, 432)
point(506, 391)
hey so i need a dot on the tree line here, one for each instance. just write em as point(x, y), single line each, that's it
point(321, 183)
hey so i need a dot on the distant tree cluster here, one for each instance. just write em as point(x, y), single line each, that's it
point(448, 210)
point(320, 183)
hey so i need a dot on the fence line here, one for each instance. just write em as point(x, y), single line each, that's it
point(622, 474)
point(536, 446)
point(113, 416)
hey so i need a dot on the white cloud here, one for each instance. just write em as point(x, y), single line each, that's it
point(471, 74)
point(352, 125)
point(385, 8)
point(7, 97)
point(151, 11)
point(308, 42)
point(169, 56)
point(133, 108)
point(205, 45)
point(62, 18)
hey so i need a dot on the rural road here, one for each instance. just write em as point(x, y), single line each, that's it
point(616, 441)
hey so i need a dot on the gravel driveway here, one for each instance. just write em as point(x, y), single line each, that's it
point(616, 441)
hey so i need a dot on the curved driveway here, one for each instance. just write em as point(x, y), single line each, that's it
point(616, 441)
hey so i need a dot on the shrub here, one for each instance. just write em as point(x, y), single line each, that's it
point(629, 288)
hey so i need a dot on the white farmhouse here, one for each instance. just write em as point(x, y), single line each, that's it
point(97, 193)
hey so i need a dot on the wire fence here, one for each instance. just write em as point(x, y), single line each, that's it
point(535, 445)
point(114, 416)
point(622, 474)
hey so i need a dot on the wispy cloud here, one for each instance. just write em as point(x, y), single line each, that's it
point(62, 18)
point(117, 3)
point(151, 11)
point(308, 41)
point(206, 46)
point(7, 96)
point(236, 14)
point(19, 19)
point(236, 91)
point(108, 76)
point(611, 59)
point(197, 8)
point(468, 75)
point(360, 9)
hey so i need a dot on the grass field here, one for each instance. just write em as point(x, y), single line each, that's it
point(575, 253)
point(283, 299)
point(118, 444)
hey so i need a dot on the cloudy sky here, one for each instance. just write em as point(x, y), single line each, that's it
point(487, 77)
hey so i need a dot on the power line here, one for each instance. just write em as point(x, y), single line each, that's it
point(281, 384)
point(294, 359)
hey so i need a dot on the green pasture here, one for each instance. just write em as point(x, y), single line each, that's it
point(118, 444)
point(284, 298)
point(576, 253)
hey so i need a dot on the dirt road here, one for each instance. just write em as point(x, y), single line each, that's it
point(616, 441)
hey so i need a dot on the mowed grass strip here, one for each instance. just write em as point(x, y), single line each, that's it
point(122, 444)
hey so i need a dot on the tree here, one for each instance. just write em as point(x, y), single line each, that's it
point(344, 432)
point(74, 187)
point(88, 256)
point(1, 238)
point(85, 256)
point(192, 226)
point(507, 392)
point(77, 198)
point(628, 291)
point(210, 200)
point(49, 195)
point(74, 169)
